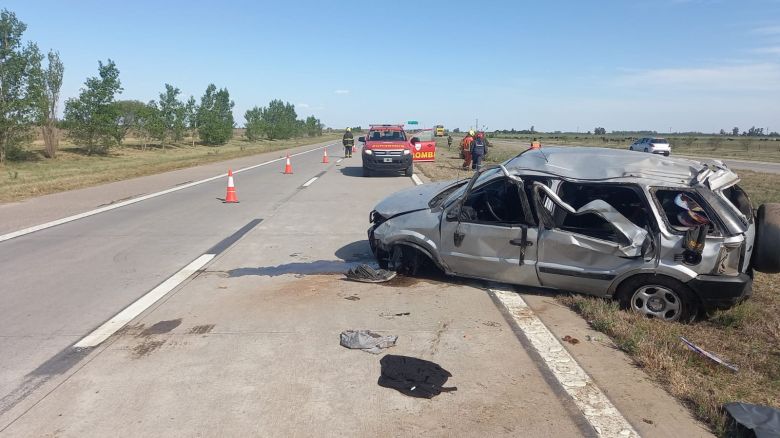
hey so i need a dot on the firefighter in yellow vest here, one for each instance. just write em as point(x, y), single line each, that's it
point(536, 144)
point(349, 143)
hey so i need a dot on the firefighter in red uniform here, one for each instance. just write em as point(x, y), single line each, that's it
point(466, 148)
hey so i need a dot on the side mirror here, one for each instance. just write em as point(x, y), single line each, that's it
point(415, 140)
point(362, 139)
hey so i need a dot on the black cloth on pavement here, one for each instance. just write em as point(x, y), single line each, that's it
point(413, 377)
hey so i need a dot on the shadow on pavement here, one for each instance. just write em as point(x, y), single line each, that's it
point(358, 172)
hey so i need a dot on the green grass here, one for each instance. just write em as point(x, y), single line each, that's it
point(73, 169)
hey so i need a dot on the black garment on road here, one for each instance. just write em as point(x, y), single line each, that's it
point(413, 377)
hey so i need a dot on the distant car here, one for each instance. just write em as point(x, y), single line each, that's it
point(667, 237)
point(653, 145)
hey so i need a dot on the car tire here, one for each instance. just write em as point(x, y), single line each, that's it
point(766, 257)
point(666, 154)
point(660, 297)
point(647, 150)
point(366, 173)
point(409, 170)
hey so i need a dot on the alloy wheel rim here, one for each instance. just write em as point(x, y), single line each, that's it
point(658, 302)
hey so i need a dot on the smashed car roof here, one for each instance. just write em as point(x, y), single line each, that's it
point(599, 164)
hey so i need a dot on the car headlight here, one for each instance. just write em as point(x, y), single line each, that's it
point(368, 151)
point(407, 152)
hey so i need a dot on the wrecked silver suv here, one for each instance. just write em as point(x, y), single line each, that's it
point(667, 237)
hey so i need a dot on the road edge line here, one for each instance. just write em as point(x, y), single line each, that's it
point(416, 179)
point(594, 405)
point(111, 326)
point(75, 217)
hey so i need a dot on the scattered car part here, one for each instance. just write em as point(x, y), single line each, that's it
point(708, 355)
point(763, 421)
point(366, 340)
point(367, 274)
point(414, 377)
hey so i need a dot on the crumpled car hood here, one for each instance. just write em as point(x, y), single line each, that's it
point(411, 199)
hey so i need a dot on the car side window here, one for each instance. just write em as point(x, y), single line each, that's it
point(497, 202)
point(683, 209)
point(624, 199)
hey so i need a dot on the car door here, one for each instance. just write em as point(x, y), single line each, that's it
point(489, 232)
point(592, 236)
point(424, 146)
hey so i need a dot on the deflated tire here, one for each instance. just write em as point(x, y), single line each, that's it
point(766, 255)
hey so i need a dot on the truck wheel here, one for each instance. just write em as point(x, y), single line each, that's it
point(658, 296)
point(409, 170)
point(766, 257)
point(366, 173)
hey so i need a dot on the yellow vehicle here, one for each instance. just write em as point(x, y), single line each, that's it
point(439, 130)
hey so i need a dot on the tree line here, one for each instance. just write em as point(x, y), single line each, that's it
point(96, 120)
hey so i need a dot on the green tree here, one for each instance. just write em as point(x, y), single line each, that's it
point(20, 92)
point(172, 112)
point(50, 85)
point(93, 118)
point(279, 120)
point(735, 131)
point(313, 126)
point(600, 131)
point(129, 112)
point(146, 122)
point(215, 116)
point(191, 118)
point(254, 123)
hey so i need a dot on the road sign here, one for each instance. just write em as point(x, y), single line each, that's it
point(411, 122)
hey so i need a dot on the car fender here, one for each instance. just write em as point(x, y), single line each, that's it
point(676, 271)
point(393, 232)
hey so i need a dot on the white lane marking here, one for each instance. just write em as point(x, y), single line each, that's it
point(416, 179)
point(595, 406)
point(110, 327)
point(309, 182)
point(339, 160)
point(75, 217)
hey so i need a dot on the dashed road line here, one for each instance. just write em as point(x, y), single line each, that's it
point(309, 182)
point(339, 160)
point(416, 179)
point(110, 207)
point(594, 405)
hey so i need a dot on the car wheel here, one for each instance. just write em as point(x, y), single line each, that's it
point(656, 296)
point(766, 257)
point(409, 170)
point(366, 173)
point(666, 154)
point(647, 150)
point(382, 258)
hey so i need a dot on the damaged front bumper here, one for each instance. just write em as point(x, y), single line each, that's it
point(721, 292)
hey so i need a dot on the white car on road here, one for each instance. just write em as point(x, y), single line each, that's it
point(654, 145)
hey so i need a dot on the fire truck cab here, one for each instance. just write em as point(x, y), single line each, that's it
point(386, 149)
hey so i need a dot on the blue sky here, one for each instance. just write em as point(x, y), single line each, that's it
point(557, 65)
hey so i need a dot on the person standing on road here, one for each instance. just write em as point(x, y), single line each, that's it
point(449, 141)
point(478, 151)
point(536, 144)
point(466, 149)
point(349, 142)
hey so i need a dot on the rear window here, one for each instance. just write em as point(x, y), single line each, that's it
point(658, 140)
point(386, 135)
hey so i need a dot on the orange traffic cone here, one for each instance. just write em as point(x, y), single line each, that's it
point(325, 156)
point(288, 166)
point(231, 189)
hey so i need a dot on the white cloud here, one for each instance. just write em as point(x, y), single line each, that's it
point(302, 105)
point(757, 77)
point(767, 30)
point(767, 50)
point(341, 91)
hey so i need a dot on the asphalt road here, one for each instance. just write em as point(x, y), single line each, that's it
point(248, 346)
point(60, 283)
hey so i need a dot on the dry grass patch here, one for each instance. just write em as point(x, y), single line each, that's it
point(747, 335)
